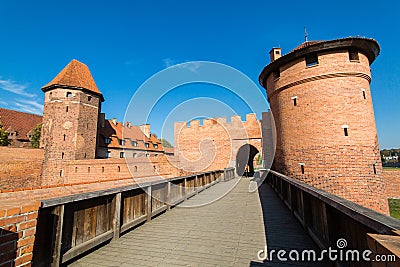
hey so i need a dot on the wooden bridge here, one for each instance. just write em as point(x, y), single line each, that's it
point(151, 224)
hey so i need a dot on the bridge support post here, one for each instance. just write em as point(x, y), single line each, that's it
point(117, 216)
point(185, 191)
point(57, 241)
point(196, 184)
point(148, 203)
point(168, 195)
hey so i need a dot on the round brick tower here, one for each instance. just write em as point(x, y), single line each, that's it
point(320, 97)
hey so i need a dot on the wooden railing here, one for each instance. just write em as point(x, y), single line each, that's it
point(327, 217)
point(72, 225)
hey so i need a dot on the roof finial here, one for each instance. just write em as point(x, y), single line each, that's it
point(305, 34)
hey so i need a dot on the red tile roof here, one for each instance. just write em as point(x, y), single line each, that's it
point(119, 131)
point(20, 122)
point(75, 74)
point(306, 44)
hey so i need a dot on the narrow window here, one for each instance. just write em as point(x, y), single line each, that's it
point(84, 155)
point(302, 167)
point(135, 168)
point(107, 140)
point(353, 55)
point(119, 169)
point(146, 145)
point(294, 101)
point(134, 155)
point(155, 155)
point(154, 169)
point(88, 169)
point(363, 91)
point(62, 155)
point(69, 94)
point(102, 169)
point(66, 111)
point(374, 166)
point(121, 154)
point(155, 146)
point(108, 154)
point(76, 169)
point(61, 172)
point(51, 95)
point(346, 132)
point(64, 137)
point(311, 60)
point(147, 155)
point(87, 125)
point(89, 98)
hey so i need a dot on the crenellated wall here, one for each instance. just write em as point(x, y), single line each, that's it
point(214, 144)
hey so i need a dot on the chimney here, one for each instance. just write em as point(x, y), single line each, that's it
point(114, 121)
point(145, 128)
point(275, 53)
point(102, 119)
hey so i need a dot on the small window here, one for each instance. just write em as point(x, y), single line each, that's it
point(374, 167)
point(69, 94)
point(154, 169)
point(107, 140)
point(62, 155)
point(88, 169)
point(134, 143)
point(108, 154)
point(61, 173)
point(66, 110)
point(134, 155)
point(146, 145)
point(277, 52)
point(119, 168)
point(155, 146)
point(89, 98)
point(147, 155)
point(277, 74)
point(76, 169)
point(353, 56)
point(121, 154)
point(155, 155)
point(294, 101)
point(302, 167)
point(64, 137)
point(84, 155)
point(102, 169)
point(121, 142)
point(51, 95)
point(311, 60)
point(135, 168)
point(346, 130)
point(363, 92)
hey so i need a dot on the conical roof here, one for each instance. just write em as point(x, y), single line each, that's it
point(75, 75)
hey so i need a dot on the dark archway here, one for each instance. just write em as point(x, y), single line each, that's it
point(245, 156)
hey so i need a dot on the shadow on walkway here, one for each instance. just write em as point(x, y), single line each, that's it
point(283, 232)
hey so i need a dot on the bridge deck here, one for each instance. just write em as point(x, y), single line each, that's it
point(228, 232)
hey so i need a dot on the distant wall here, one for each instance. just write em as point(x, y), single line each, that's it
point(94, 170)
point(392, 180)
point(214, 144)
point(20, 167)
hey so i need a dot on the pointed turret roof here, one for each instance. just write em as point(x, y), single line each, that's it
point(75, 75)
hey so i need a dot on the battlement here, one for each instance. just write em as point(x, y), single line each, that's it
point(250, 118)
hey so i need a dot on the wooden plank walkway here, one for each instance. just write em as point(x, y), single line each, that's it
point(227, 232)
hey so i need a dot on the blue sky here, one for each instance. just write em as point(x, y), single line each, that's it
point(124, 43)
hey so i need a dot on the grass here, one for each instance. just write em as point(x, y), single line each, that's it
point(394, 207)
point(391, 168)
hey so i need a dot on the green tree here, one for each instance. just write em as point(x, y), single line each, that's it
point(165, 143)
point(35, 139)
point(4, 141)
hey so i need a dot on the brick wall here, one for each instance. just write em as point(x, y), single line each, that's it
point(312, 133)
point(17, 233)
point(94, 170)
point(392, 180)
point(20, 167)
point(214, 144)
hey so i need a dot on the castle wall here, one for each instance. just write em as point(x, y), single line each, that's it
point(214, 144)
point(329, 96)
point(392, 180)
point(20, 167)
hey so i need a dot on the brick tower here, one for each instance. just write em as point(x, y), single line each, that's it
point(320, 98)
point(71, 112)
